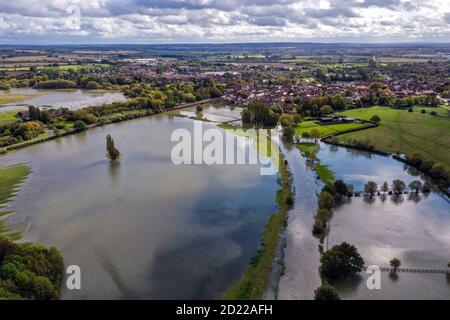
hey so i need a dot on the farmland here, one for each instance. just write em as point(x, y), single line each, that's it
point(405, 132)
point(307, 126)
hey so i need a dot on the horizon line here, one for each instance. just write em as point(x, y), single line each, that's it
point(234, 43)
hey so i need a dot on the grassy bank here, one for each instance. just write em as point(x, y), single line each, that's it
point(405, 132)
point(10, 179)
point(14, 98)
point(254, 281)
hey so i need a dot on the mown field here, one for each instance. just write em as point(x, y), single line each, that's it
point(307, 126)
point(405, 132)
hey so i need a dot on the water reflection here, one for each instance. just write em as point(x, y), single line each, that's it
point(143, 228)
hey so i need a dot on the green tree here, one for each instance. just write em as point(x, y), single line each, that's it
point(286, 120)
point(79, 125)
point(398, 186)
point(326, 292)
point(370, 188)
point(326, 200)
point(289, 133)
point(247, 116)
point(341, 261)
point(315, 134)
point(395, 263)
point(323, 216)
point(375, 118)
point(385, 187)
point(416, 185)
point(92, 85)
point(112, 152)
point(325, 110)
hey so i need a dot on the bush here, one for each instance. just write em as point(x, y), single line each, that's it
point(326, 200)
point(375, 118)
point(29, 272)
point(56, 84)
point(92, 85)
point(29, 130)
point(341, 261)
point(326, 292)
point(79, 125)
point(286, 120)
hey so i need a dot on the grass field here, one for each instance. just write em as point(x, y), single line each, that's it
point(61, 67)
point(8, 116)
point(405, 132)
point(307, 126)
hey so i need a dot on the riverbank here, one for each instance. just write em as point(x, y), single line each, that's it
point(10, 180)
point(254, 282)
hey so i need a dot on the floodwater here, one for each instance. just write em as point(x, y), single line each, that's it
point(215, 113)
point(143, 228)
point(72, 99)
point(301, 255)
point(414, 229)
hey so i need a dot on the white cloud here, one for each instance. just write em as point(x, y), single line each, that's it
point(155, 21)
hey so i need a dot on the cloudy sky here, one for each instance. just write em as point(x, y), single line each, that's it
point(204, 21)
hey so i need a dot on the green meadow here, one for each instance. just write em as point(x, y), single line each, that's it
point(405, 132)
point(307, 126)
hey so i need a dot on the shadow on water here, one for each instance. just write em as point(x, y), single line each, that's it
point(111, 269)
point(415, 197)
point(114, 172)
point(369, 199)
point(397, 199)
point(393, 276)
point(348, 286)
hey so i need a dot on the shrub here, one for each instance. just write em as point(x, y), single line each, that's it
point(326, 292)
point(29, 130)
point(92, 85)
point(375, 118)
point(79, 125)
point(29, 272)
point(341, 261)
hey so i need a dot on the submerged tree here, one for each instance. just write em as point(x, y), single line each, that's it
point(416, 185)
point(395, 263)
point(326, 292)
point(112, 152)
point(370, 188)
point(385, 187)
point(398, 186)
point(341, 261)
